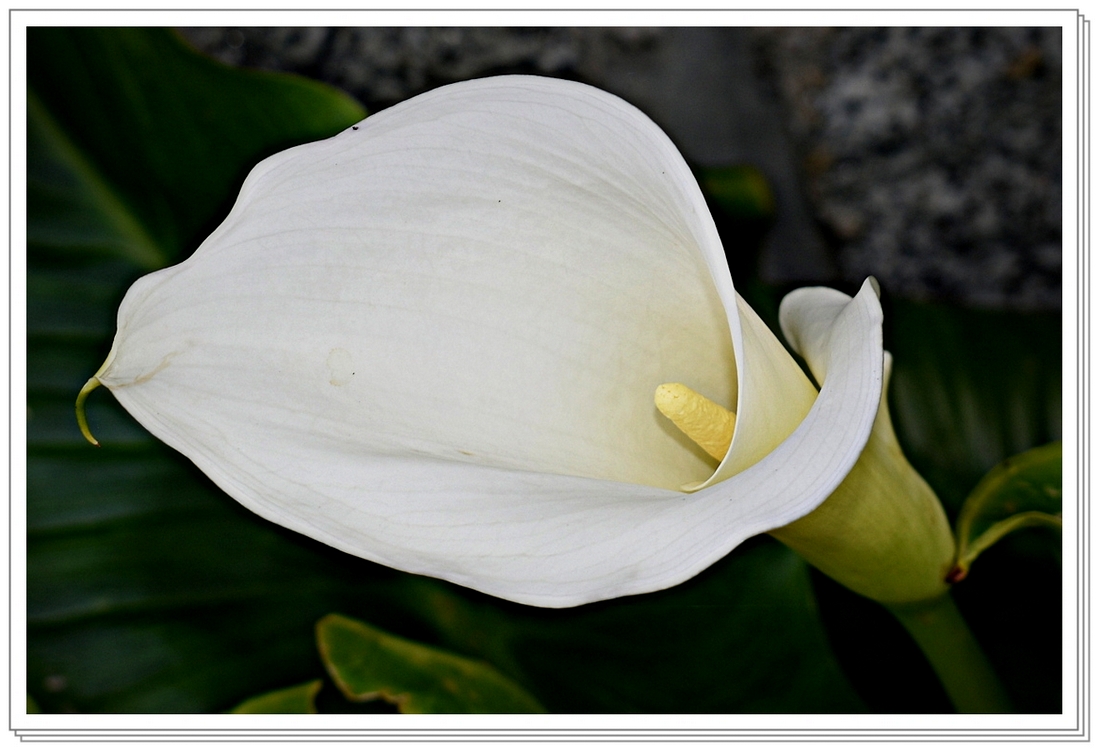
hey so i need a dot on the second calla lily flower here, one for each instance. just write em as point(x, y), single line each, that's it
point(433, 341)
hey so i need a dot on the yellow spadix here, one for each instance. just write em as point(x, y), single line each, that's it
point(703, 421)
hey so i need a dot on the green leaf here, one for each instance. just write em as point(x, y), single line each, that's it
point(296, 699)
point(70, 202)
point(136, 147)
point(367, 663)
point(742, 637)
point(971, 388)
point(1023, 491)
point(136, 143)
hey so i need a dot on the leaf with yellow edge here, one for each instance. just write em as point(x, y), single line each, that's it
point(297, 699)
point(1023, 491)
point(367, 664)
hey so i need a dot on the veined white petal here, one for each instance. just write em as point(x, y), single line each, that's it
point(812, 322)
point(806, 317)
point(432, 341)
point(883, 532)
point(773, 396)
point(497, 272)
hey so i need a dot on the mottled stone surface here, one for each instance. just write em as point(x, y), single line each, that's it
point(933, 156)
point(930, 158)
point(382, 66)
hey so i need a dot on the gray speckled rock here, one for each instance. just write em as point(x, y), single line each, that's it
point(381, 66)
point(697, 83)
point(933, 155)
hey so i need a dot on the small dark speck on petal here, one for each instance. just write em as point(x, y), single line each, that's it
point(355, 127)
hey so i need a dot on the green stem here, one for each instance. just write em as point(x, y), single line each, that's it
point(958, 660)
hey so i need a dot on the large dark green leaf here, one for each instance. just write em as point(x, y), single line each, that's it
point(971, 388)
point(151, 591)
point(146, 590)
point(146, 140)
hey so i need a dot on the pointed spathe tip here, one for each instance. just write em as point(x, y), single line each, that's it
point(81, 418)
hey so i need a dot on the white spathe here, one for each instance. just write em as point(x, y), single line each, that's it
point(432, 341)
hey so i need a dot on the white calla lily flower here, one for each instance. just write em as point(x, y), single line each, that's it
point(432, 341)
